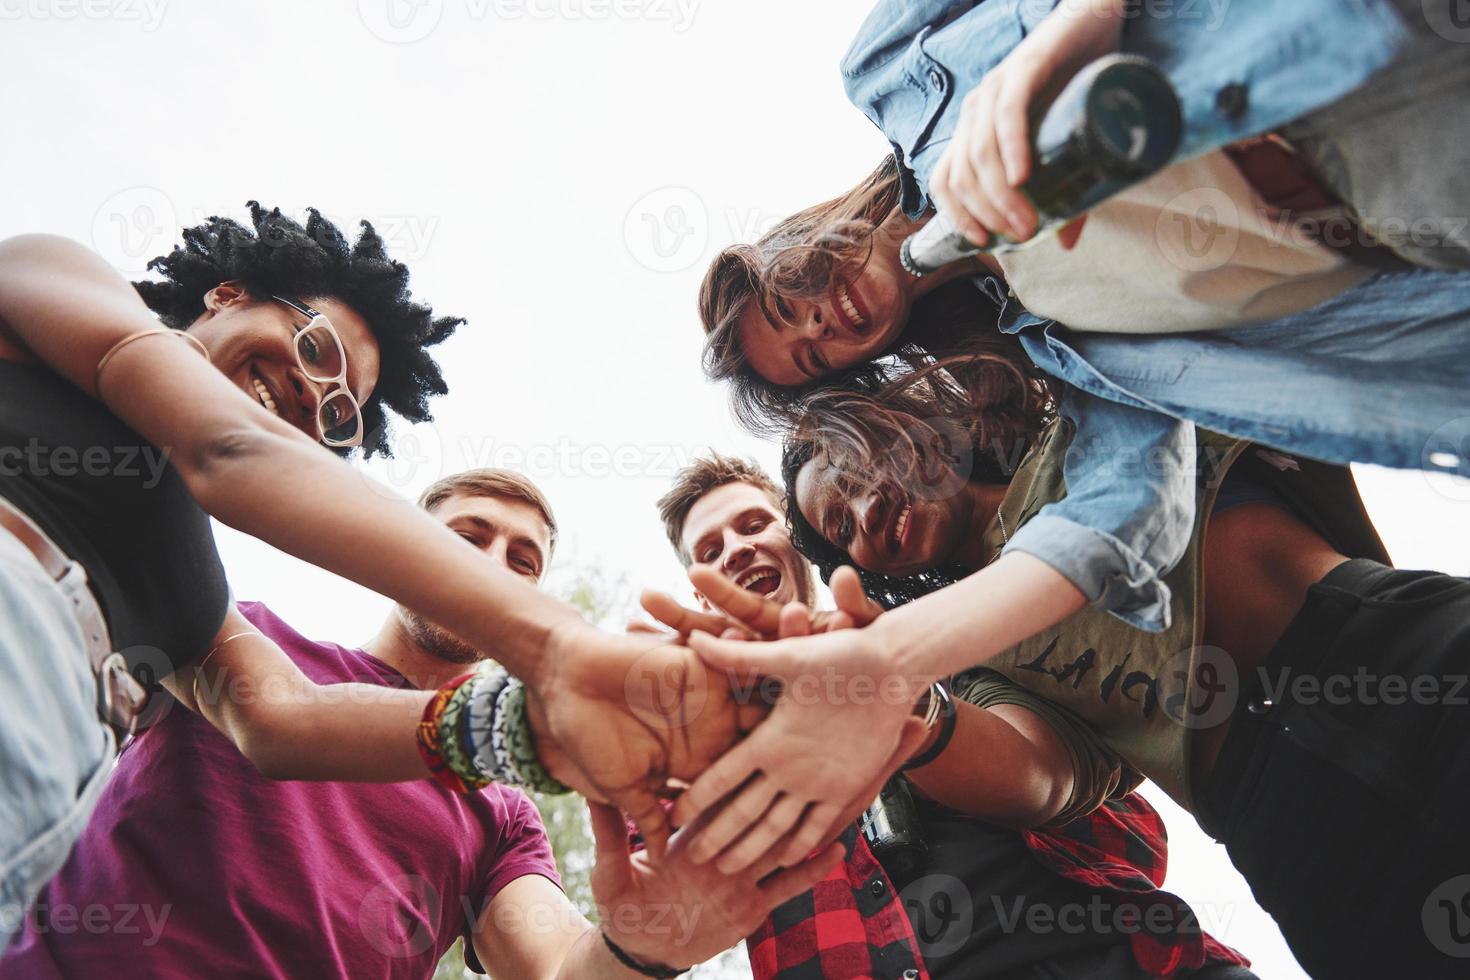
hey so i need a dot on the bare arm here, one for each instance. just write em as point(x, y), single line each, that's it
point(1007, 601)
point(250, 469)
point(943, 633)
point(676, 913)
point(531, 930)
point(290, 727)
point(254, 472)
point(1004, 764)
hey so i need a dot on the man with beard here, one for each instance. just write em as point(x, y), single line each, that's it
point(983, 901)
point(195, 861)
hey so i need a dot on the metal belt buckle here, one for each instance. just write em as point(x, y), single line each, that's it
point(120, 698)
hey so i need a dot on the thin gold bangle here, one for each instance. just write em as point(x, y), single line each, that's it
point(156, 332)
point(199, 670)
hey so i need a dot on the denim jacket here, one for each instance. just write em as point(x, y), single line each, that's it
point(1375, 375)
point(1242, 67)
point(1130, 475)
point(1314, 384)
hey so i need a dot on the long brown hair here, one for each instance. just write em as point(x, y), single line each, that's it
point(951, 339)
point(800, 258)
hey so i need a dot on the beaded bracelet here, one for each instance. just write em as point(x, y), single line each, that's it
point(440, 750)
point(479, 720)
point(451, 745)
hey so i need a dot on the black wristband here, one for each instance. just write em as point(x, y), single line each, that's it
point(646, 969)
point(946, 731)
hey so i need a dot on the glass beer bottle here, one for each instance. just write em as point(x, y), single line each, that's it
point(1117, 123)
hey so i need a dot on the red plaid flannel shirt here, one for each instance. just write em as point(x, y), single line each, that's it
point(852, 923)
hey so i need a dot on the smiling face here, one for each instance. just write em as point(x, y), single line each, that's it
point(800, 340)
point(511, 533)
point(884, 529)
point(252, 342)
point(737, 530)
point(804, 340)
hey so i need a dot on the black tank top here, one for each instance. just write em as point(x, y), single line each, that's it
point(112, 502)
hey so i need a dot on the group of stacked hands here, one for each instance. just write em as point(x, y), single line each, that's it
point(761, 729)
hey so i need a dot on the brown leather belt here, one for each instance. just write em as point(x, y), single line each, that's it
point(120, 697)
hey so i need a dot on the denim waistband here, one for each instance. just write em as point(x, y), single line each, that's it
point(18, 555)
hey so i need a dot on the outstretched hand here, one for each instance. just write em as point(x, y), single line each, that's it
point(977, 181)
point(843, 723)
point(757, 616)
point(618, 717)
point(712, 911)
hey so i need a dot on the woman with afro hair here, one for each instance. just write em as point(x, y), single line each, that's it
point(230, 387)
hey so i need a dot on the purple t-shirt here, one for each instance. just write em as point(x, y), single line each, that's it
point(196, 865)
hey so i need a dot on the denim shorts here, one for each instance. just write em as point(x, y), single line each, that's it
point(55, 753)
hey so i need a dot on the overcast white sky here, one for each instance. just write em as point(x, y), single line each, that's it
point(558, 171)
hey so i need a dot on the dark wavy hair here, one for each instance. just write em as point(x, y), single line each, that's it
point(913, 431)
point(280, 257)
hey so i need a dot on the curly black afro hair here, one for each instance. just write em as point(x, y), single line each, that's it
point(280, 257)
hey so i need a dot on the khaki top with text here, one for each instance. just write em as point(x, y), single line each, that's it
point(1125, 701)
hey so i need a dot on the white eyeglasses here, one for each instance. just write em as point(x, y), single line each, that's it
point(320, 356)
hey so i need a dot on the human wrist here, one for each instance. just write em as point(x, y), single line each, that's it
point(530, 632)
point(536, 718)
point(637, 964)
point(1086, 29)
point(893, 634)
point(561, 642)
point(931, 735)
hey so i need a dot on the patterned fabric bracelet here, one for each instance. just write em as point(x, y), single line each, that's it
point(479, 719)
point(431, 741)
point(515, 748)
point(451, 745)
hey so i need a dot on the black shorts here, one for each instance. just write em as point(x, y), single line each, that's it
point(1341, 791)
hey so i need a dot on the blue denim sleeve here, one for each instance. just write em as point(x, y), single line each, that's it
point(913, 61)
point(1242, 67)
point(1128, 514)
